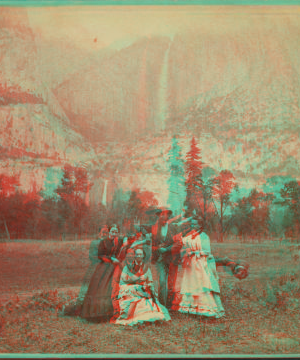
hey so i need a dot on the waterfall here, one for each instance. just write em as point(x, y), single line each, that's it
point(104, 196)
point(87, 196)
point(143, 101)
point(163, 92)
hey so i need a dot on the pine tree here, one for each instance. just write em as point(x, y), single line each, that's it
point(176, 181)
point(119, 209)
point(194, 182)
point(52, 181)
point(290, 194)
point(72, 193)
point(67, 185)
point(8, 190)
point(261, 212)
point(134, 207)
point(222, 186)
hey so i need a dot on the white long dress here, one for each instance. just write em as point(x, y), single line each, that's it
point(199, 289)
point(135, 302)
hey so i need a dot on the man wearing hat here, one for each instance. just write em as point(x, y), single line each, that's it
point(166, 246)
point(165, 254)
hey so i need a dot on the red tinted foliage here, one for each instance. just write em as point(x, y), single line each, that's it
point(14, 95)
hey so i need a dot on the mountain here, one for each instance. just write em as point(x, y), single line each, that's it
point(258, 122)
point(239, 93)
point(18, 51)
point(116, 109)
point(117, 96)
point(35, 131)
point(32, 131)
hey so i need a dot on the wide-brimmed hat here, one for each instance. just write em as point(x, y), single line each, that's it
point(158, 211)
point(163, 210)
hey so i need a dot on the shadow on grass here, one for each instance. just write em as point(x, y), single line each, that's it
point(73, 310)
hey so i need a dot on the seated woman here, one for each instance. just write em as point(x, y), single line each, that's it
point(137, 299)
point(199, 288)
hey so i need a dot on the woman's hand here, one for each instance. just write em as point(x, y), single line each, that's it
point(152, 289)
point(188, 252)
point(142, 278)
point(125, 241)
point(115, 261)
point(178, 238)
point(204, 253)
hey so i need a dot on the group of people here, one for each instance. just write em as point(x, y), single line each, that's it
point(122, 287)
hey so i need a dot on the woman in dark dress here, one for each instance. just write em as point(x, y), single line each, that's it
point(98, 299)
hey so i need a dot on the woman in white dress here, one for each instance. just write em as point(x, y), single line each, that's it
point(138, 301)
point(199, 288)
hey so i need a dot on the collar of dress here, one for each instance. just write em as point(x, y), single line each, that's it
point(193, 234)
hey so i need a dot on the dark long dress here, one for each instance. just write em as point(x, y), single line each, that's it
point(98, 299)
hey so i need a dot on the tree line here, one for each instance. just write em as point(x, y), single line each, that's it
point(224, 209)
point(62, 209)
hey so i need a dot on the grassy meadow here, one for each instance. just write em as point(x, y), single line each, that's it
point(38, 278)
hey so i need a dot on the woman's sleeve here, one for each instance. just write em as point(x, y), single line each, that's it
point(185, 248)
point(150, 283)
point(148, 276)
point(177, 247)
point(122, 249)
point(138, 243)
point(93, 252)
point(123, 278)
point(127, 277)
point(205, 242)
point(102, 252)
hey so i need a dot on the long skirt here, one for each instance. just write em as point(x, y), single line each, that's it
point(199, 291)
point(98, 300)
point(136, 306)
point(206, 304)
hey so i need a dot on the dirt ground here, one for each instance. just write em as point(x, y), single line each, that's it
point(38, 278)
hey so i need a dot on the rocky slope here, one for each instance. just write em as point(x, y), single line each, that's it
point(115, 110)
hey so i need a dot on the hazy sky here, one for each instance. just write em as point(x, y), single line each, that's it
point(121, 24)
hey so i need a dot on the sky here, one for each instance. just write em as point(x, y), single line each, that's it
point(69, 35)
point(96, 27)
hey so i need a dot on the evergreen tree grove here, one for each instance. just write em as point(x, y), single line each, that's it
point(290, 194)
point(223, 184)
point(176, 180)
point(193, 170)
